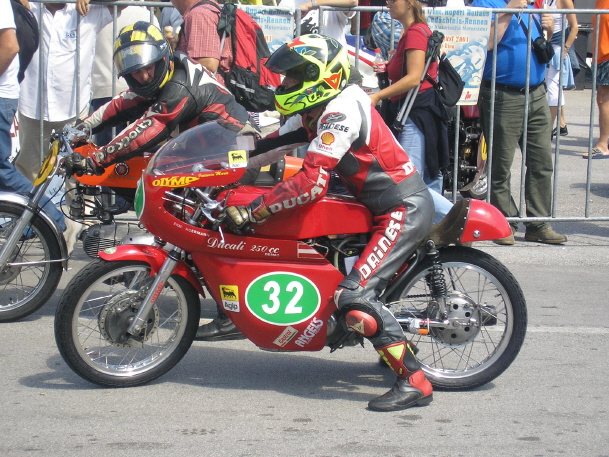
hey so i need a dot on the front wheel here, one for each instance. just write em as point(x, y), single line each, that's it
point(486, 312)
point(33, 269)
point(96, 309)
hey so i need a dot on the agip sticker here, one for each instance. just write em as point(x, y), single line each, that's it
point(237, 159)
point(230, 298)
point(282, 298)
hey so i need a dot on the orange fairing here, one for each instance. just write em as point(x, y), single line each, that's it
point(292, 166)
point(484, 222)
point(123, 174)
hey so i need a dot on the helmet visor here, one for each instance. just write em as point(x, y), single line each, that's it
point(287, 61)
point(134, 57)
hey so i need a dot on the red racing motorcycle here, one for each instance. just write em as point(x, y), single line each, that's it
point(131, 315)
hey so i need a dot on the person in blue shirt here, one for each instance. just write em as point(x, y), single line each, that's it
point(509, 111)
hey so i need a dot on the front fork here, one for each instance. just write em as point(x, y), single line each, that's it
point(160, 279)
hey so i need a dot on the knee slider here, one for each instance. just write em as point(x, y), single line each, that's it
point(361, 322)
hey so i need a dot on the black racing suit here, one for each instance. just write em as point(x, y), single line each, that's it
point(191, 97)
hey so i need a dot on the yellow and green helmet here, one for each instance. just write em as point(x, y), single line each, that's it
point(320, 65)
point(137, 46)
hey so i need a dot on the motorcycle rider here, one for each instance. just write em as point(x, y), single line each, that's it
point(166, 90)
point(347, 135)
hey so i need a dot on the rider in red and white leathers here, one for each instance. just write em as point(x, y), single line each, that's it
point(348, 135)
point(166, 91)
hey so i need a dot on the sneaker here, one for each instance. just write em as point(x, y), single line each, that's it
point(547, 235)
point(564, 131)
point(415, 390)
point(219, 330)
point(508, 240)
point(553, 133)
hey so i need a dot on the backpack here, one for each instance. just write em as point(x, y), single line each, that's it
point(26, 28)
point(449, 85)
point(252, 84)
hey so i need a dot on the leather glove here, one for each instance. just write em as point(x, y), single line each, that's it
point(76, 164)
point(239, 218)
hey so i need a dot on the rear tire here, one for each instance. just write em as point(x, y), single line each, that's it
point(24, 289)
point(462, 357)
point(95, 311)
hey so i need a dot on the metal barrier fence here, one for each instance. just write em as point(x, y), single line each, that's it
point(357, 18)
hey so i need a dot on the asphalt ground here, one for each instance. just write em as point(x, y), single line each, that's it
point(232, 399)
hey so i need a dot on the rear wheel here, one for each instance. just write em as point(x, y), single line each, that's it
point(29, 279)
point(96, 309)
point(486, 313)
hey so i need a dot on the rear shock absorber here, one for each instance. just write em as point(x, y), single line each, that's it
point(435, 278)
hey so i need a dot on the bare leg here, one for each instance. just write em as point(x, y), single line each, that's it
point(602, 100)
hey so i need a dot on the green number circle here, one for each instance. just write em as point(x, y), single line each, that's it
point(282, 298)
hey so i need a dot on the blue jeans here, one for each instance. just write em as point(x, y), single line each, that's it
point(10, 179)
point(413, 142)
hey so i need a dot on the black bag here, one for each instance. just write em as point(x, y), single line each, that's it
point(26, 29)
point(543, 50)
point(252, 84)
point(449, 85)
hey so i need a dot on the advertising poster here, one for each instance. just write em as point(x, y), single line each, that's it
point(277, 23)
point(466, 33)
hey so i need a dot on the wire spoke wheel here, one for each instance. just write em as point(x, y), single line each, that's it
point(486, 314)
point(98, 307)
point(28, 280)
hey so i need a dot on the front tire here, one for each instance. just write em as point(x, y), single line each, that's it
point(95, 311)
point(479, 286)
point(28, 280)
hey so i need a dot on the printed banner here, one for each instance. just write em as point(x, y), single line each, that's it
point(466, 32)
point(277, 23)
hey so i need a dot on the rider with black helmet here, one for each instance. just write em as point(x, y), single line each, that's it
point(166, 90)
point(347, 135)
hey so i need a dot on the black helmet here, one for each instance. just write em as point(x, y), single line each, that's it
point(137, 46)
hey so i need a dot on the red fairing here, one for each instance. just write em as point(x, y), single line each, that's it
point(484, 222)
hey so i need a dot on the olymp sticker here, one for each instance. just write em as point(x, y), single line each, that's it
point(282, 298)
point(230, 298)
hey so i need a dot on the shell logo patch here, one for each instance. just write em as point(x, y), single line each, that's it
point(327, 138)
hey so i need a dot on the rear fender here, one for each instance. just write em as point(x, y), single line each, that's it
point(484, 222)
point(22, 201)
point(153, 256)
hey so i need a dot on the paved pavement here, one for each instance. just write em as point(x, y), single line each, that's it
point(231, 399)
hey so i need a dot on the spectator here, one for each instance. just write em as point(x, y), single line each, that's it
point(334, 23)
point(166, 91)
point(199, 38)
point(553, 71)
point(59, 28)
point(424, 135)
point(103, 76)
point(602, 82)
point(508, 127)
point(10, 179)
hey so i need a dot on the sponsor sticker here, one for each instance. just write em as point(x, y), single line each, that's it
point(285, 337)
point(230, 298)
point(237, 159)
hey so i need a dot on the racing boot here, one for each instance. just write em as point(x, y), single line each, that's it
point(411, 388)
point(219, 329)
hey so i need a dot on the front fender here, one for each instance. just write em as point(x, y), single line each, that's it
point(23, 201)
point(153, 256)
